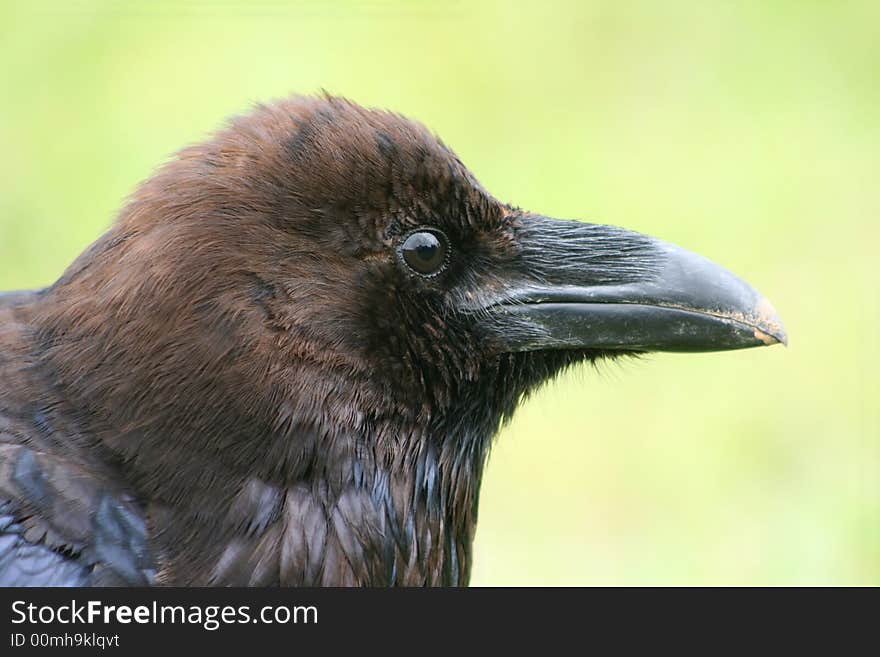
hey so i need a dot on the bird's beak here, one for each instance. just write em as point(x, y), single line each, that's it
point(586, 286)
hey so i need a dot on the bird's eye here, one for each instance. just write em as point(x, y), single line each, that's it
point(425, 251)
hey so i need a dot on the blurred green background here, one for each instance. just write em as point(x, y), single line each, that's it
point(747, 131)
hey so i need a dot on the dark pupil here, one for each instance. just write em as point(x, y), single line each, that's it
point(424, 252)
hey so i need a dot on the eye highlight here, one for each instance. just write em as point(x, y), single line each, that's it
point(425, 251)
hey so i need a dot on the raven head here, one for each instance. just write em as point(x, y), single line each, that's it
point(315, 253)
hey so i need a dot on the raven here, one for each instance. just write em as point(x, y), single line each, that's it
point(285, 361)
